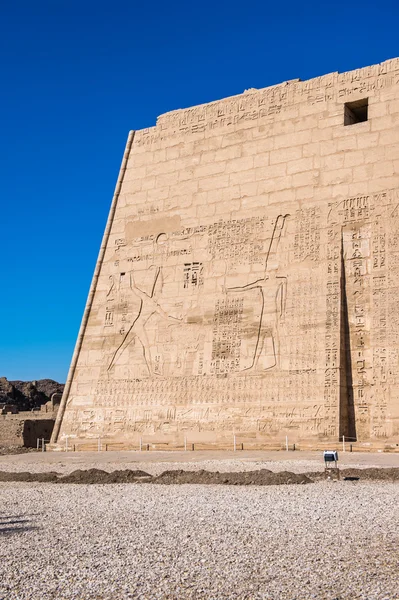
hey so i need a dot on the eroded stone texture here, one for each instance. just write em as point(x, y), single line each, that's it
point(249, 284)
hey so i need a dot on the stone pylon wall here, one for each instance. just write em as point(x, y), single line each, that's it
point(249, 278)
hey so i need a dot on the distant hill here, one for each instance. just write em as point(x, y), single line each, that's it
point(28, 394)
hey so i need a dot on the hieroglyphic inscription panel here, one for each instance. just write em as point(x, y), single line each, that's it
point(369, 231)
point(242, 350)
point(268, 103)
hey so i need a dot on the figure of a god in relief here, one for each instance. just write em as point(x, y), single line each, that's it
point(273, 293)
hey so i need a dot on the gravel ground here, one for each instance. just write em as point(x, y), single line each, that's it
point(325, 541)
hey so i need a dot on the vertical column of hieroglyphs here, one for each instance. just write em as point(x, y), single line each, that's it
point(333, 348)
point(357, 260)
point(384, 309)
point(386, 419)
point(380, 322)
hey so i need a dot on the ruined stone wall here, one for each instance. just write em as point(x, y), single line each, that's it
point(23, 429)
point(249, 284)
point(11, 432)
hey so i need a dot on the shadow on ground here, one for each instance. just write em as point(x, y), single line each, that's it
point(14, 524)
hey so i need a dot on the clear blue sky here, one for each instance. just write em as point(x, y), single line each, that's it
point(76, 76)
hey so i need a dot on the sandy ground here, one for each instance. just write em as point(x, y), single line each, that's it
point(156, 462)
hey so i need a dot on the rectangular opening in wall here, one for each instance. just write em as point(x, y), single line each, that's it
point(356, 112)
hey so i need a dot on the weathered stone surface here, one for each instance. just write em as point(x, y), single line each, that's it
point(22, 430)
point(19, 425)
point(248, 279)
point(7, 390)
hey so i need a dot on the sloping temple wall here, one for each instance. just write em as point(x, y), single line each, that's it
point(248, 277)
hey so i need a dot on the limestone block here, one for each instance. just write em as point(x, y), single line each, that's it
point(213, 183)
point(293, 139)
point(242, 177)
point(354, 158)
point(298, 166)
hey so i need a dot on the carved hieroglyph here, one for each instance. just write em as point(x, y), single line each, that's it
point(248, 277)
